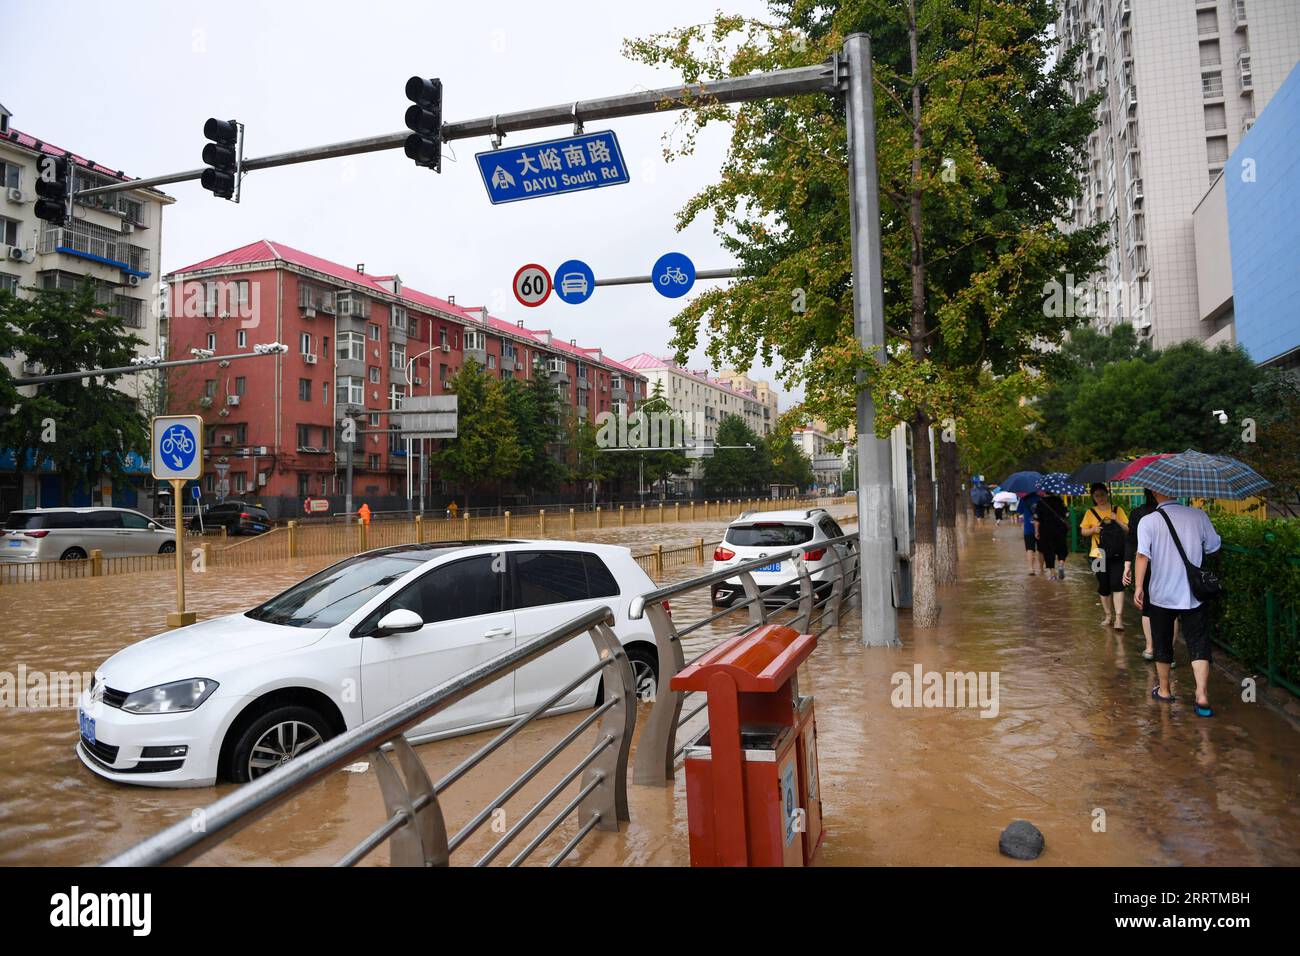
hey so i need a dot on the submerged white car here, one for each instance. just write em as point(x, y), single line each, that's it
point(778, 533)
point(236, 696)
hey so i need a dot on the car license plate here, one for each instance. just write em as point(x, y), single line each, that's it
point(15, 544)
point(770, 567)
point(87, 725)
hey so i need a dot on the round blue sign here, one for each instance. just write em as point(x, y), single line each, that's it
point(673, 275)
point(177, 447)
point(574, 282)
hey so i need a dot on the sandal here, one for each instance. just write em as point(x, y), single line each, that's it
point(1204, 710)
point(1148, 656)
point(1155, 692)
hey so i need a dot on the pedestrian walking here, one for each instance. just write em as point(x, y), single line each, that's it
point(1025, 511)
point(1172, 543)
point(1003, 502)
point(1130, 554)
point(980, 499)
point(1107, 525)
point(1053, 533)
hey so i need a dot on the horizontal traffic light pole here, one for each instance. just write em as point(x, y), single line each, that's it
point(822, 78)
point(141, 367)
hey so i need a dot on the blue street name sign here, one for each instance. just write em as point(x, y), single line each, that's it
point(557, 166)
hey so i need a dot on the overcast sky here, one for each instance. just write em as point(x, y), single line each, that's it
point(130, 85)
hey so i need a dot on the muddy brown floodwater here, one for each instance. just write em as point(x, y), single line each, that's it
point(1077, 746)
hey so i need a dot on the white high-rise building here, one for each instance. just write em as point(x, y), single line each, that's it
point(1183, 81)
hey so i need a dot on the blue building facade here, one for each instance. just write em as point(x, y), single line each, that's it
point(1262, 180)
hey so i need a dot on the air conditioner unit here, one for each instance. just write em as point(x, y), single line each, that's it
point(232, 399)
point(227, 439)
point(261, 477)
point(15, 195)
point(446, 347)
point(132, 280)
point(308, 312)
point(128, 227)
point(418, 380)
point(16, 254)
point(309, 358)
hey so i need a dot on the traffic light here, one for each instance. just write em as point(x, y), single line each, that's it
point(221, 178)
point(54, 187)
point(424, 119)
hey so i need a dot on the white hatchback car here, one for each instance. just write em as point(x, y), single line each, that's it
point(236, 696)
point(758, 534)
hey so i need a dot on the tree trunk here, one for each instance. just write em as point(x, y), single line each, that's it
point(946, 537)
point(925, 601)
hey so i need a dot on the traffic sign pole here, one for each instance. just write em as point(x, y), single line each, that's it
point(176, 456)
point(180, 617)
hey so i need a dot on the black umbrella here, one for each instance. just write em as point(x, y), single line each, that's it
point(1103, 471)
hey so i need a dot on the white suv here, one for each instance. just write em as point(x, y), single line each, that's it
point(759, 534)
point(236, 696)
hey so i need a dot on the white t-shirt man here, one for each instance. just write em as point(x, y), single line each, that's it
point(1169, 586)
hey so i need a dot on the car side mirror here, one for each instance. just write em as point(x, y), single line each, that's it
point(400, 621)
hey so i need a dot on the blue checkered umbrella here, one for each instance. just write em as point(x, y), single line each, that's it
point(1022, 482)
point(1058, 483)
point(1194, 474)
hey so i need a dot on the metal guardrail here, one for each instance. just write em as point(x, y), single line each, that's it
point(415, 827)
point(657, 750)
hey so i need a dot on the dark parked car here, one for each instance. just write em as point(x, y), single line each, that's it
point(237, 517)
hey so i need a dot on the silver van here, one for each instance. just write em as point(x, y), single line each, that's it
point(70, 534)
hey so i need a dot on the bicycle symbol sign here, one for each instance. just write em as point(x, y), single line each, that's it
point(673, 275)
point(176, 447)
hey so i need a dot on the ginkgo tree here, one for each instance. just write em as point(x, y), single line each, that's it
point(980, 149)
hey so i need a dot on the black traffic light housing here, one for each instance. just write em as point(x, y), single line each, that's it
point(424, 119)
point(222, 156)
point(54, 187)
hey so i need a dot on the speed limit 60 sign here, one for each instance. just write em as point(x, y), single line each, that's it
point(532, 285)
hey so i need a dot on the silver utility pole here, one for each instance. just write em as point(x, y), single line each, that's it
point(875, 497)
point(849, 73)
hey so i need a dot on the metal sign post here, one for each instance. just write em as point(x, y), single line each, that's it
point(176, 456)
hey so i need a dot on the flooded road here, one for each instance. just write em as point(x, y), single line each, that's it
point(1077, 746)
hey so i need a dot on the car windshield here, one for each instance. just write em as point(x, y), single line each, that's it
point(328, 597)
point(769, 534)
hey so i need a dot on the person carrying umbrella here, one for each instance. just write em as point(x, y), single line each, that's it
point(1003, 502)
point(1026, 510)
point(1130, 555)
point(1107, 526)
point(1052, 521)
point(1173, 547)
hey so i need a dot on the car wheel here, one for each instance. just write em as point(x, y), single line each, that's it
point(73, 554)
point(722, 601)
point(274, 738)
point(645, 672)
point(168, 547)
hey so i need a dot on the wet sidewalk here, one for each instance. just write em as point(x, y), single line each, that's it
point(1077, 747)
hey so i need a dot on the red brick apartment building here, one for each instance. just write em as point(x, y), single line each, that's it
point(272, 424)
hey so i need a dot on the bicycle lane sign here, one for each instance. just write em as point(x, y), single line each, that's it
point(673, 275)
point(176, 447)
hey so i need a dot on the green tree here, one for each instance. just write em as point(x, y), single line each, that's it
point(85, 427)
point(979, 147)
point(1273, 447)
point(790, 466)
point(737, 470)
point(536, 412)
point(486, 447)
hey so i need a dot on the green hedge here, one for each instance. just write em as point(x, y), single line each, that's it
point(1260, 569)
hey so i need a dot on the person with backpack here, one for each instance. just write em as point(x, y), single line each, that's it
point(1172, 543)
point(1107, 526)
point(1026, 508)
point(1130, 556)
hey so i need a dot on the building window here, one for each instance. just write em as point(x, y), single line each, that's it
point(352, 347)
point(210, 389)
point(12, 175)
point(241, 482)
point(373, 462)
point(304, 389)
point(212, 341)
point(374, 332)
point(241, 434)
point(397, 355)
point(395, 395)
point(413, 327)
point(374, 374)
point(305, 343)
point(442, 374)
point(492, 361)
point(240, 384)
point(373, 419)
point(8, 283)
point(304, 436)
point(325, 392)
point(475, 340)
point(351, 390)
point(241, 339)
point(9, 232)
point(304, 484)
point(398, 319)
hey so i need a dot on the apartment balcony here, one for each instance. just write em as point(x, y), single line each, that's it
point(131, 311)
point(1212, 86)
point(558, 376)
point(1238, 8)
point(1245, 79)
point(477, 354)
point(509, 363)
point(98, 244)
point(619, 394)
